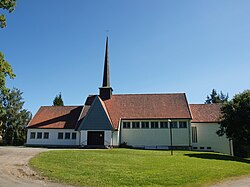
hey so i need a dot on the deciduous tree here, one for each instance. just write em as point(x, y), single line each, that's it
point(235, 121)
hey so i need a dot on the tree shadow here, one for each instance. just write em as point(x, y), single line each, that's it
point(214, 156)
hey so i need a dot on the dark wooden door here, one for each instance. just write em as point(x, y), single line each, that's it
point(95, 138)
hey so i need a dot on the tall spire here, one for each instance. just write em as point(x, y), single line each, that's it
point(106, 90)
point(106, 76)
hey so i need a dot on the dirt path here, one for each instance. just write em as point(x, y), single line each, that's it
point(15, 171)
point(234, 182)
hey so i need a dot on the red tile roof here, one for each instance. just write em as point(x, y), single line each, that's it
point(205, 113)
point(53, 117)
point(147, 106)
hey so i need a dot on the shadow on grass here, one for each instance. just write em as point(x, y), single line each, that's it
point(212, 156)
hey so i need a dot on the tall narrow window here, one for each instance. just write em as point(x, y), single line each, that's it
point(46, 135)
point(39, 135)
point(67, 135)
point(194, 134)
point(32, 135)
point(60, 135)
point(73, 135)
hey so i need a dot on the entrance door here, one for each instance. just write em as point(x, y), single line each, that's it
point(95, 138)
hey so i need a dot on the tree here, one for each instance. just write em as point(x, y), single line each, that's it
point(58, 100)
point(216, 98)
point(15, 118)
point(235, 122)
point(8, 5)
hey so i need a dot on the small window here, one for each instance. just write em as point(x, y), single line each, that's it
point(201, 147)
point(73, 135)
point(60, 135)
point(209, 148)
point(39, 135)
point(32, 135)
point(135, 125)
point(46, 135)
point(164, 124)
point(67, 135)
point(154, 125)
point(126, 125)
point(173, 124)
point(145, 125)
point(194, 134)
point(194, 147)
point(182, 124)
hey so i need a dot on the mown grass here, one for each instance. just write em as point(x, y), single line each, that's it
point(127, 167)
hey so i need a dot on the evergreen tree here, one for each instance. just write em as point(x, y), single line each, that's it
point(58, 100)
point(14, 119)
point(214, 97)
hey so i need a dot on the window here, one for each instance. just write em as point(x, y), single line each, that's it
point(73, 135)
point(67, 135)
point(154, 125)
point(32, 135)
point(209, 148)
point(126, 125)
point(135, 125)
point(173, 124)
point(39, 135)
point(145, 125)
point(163, 124)
point(60, 135)
point(182, 124)
point(195, 147)
point(46, 135)
point(194, 134)
point(201, 147)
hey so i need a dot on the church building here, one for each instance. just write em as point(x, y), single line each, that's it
point(145, 121)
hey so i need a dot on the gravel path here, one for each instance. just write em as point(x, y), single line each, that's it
point(15, 171)
point(235, 182)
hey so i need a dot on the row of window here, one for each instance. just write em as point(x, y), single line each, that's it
point(154, 124)
point(45, 135)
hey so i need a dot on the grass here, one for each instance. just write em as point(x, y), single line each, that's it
point(128, 167)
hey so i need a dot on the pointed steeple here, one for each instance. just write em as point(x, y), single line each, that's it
point(106, 90)
point(106, 76)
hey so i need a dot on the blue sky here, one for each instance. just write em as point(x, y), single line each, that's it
point(155, 46)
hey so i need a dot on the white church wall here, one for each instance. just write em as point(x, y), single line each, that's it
point(52, 139)
point(208, 140)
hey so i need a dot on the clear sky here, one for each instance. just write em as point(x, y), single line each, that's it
point(155, 46)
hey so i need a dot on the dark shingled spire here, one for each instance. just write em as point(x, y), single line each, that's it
point(106, 90)
point(106, 76)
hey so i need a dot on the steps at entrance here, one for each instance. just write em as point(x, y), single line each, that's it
point(96, 147)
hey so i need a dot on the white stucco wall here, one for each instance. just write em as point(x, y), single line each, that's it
point(155, 136)
point(207, 137)
point(115, 138)
point(53, 137)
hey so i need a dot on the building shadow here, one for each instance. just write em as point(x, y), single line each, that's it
point(213, 156)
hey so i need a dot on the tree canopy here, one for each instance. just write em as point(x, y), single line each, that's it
point(214, 97)
point(14, 119)
point(8, 5)
point(58, 100)
point(235, 120)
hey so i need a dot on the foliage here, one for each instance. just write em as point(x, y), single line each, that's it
point(130, 167)
point(214, 97)
point(58, 100)
point(14, 119)
point(8, 5)
point(235, 120)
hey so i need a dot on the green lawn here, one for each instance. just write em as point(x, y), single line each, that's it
point(128, 167)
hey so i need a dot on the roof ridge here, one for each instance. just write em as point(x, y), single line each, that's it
point(149, 94)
